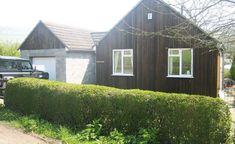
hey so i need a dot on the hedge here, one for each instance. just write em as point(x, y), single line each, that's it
point(179, 118)
point(232, 72)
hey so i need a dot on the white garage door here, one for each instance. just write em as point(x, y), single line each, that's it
point(47, 64)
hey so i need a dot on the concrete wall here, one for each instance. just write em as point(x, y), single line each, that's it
point(72, 67)
point(59, 54)
point(80, 67)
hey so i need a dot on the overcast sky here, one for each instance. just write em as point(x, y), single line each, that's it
point(97, 15)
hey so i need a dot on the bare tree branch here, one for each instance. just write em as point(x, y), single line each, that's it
point(231, 1)
point(215, 17)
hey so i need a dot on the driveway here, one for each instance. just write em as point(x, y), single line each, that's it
point(10, 135)
point(230, 100)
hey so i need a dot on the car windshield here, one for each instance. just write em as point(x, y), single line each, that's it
point(15, 65)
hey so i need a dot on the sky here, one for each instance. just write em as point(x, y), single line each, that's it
point(19, 17)
point(96, 15)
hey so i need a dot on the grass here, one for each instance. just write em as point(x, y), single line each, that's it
point(91, 135)
point(36, 125)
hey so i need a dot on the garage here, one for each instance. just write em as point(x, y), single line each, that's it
point(66, 53)
point(47, 64)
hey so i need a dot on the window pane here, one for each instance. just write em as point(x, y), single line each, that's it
point(117, 62)
point(4, 65)
point(127, 65)
point(186, 62)
point(174, 63)
point(26, 66)
point(9, 66)
point(127, 52)
point(175, 52)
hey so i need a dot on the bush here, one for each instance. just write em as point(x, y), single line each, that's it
point(9, 49)
point(179, 118)
point(227, 73)
point(90, 135)
point(232, 72)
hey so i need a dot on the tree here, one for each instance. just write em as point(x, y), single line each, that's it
point(9, 49)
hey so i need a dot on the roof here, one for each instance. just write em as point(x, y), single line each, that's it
point(11, 58)
point(97, 36)
point(72, 38)
point(167, 5)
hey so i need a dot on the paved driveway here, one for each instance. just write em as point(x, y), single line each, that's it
point(9, 135)
point(230, 100)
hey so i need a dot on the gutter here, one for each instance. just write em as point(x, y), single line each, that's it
point(79, 49)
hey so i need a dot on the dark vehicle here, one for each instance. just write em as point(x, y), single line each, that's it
point(12, 67)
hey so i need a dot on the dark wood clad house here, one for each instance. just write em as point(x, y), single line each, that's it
point(128, 59)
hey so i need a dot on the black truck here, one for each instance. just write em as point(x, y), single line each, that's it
point(12, 67)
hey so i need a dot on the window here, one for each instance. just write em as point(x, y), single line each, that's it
point(9, 65)
point(123, 62)
point(26, 66)
point(180, 63)
point(14, 65)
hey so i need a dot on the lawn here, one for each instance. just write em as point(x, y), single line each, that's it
point(91, 135)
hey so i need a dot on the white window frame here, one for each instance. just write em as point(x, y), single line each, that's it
point(180, 63)
point(122, 65)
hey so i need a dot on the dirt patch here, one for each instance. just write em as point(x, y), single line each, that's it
point(10, 135)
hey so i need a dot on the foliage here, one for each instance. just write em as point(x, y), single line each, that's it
point(92, 131)
point(179, 118)
point(227, 73)
point(9, 49)
point(90, 135)
point(232, 70)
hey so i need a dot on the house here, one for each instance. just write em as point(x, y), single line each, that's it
point(66, 53)
point(133, 56)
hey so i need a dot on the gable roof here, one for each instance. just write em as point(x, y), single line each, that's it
point(73, 38)
point(69, 37)
point(168, 6)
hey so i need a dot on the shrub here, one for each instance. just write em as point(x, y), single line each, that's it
point(9, 49)
point(232, 72)
point(89, 135)
point(227, 73)
point(179, 118)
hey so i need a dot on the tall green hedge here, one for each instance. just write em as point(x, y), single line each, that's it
point(179, 118)
point(232, 72)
